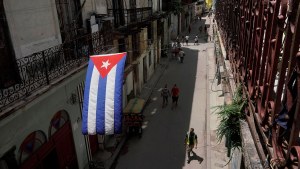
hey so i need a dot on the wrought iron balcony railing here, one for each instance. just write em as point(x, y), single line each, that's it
point(262, 39)
point(127, 17)
point(40, 69)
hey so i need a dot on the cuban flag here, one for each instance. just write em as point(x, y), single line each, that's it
point(102, 105)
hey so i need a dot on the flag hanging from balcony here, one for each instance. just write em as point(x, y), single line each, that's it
point(102, 105)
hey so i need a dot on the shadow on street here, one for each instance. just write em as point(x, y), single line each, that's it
point(164, 129)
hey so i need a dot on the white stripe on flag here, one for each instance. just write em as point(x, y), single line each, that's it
point(92, 109)
point(110, 100)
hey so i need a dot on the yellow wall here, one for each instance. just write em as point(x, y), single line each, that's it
point(208, 3)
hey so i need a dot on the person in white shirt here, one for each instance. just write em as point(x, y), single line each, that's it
point(181, 55)
point(196, 40)
point(186, 40)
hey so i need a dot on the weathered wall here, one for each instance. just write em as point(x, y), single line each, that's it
point(142, 3)
point(32, 27)
point(153, 48)
point(174, 26)
point(101, 6)
point(88, 8)
point(166, 32)
point(38, 114)
point(157, 5)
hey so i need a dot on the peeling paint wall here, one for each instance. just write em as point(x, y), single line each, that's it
point(34, 28)
point(37, 116)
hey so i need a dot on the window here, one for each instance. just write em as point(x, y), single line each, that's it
point(149, 3)
point(8, 66)
point(70, 18)
point(135, 45)
point(122, 45)
point(58, 120)
point(31, 143)
point(149, 31)
point(122, 48)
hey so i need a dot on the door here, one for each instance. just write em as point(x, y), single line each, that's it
point(93, 139)
point(51, 160)
point(9, 74)
point(70, 18)
point(64, 145)
point(118, 12)
point(133, 13)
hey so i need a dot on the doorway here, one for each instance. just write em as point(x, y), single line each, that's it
point(70, 18)
point(145, 69)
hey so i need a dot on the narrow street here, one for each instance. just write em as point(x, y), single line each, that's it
point(162, 143)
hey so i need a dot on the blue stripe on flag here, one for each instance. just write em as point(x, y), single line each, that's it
point(100, 122)
point(86, 97)
point(118, 96)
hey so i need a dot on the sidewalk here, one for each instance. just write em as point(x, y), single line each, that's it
point(151, 83)
point(215, 151)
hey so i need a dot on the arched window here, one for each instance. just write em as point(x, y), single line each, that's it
point(31, 143)
point(58, 120)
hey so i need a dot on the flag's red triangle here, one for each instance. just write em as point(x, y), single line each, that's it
point(104, 63)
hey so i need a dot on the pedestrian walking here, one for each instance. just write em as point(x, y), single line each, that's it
point(175, 96)
point(165, 93)
point(205, 29)
point(196, 40)
point(187, 40)
point(200, 29)
point(190, 29)
point(190, 141)
point(178, 43)
point(181, 55)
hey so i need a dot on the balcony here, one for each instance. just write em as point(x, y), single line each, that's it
point(45, 67)
point(186, 2)
point(130, 17)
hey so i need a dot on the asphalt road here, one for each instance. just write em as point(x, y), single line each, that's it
point(162, 143)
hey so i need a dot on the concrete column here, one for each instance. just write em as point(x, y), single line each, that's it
point(156, 48)
point(116, 44)
point(129, 47)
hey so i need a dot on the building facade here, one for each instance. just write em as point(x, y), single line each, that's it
point(44, 52)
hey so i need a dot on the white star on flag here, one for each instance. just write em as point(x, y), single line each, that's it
point(105, 64)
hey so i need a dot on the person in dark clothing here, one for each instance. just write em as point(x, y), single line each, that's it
point(175, 95)
point(165, 93)
point(191, 141)
point(200, 29)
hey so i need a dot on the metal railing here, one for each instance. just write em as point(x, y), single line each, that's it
point(42, 68)
point(262, 41)
point(127, 17)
